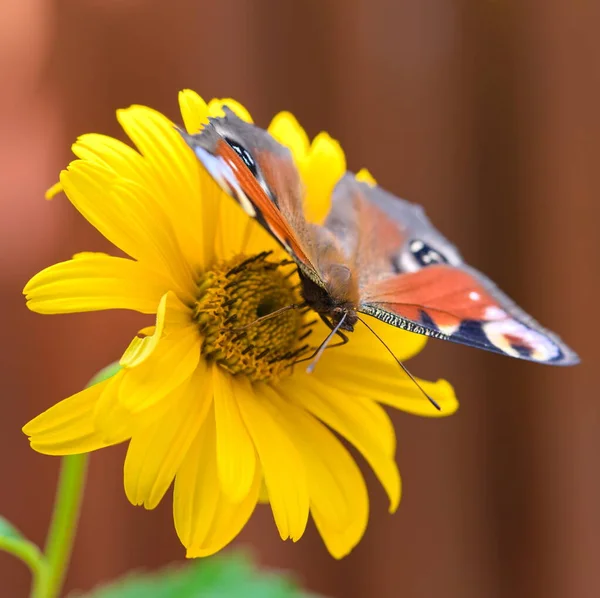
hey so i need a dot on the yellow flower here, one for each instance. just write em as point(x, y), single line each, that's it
point(203, 402)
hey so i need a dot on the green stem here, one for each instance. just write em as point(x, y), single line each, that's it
point(63, 525)
point(30, 554)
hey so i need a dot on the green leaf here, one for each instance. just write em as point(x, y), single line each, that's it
point(108, 372)
point(13, 542)
point(230, 576)
point(8, 530)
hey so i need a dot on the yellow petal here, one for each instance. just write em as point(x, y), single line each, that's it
point(94, 281)
point(284, 471)
point(53, 191)
point(156, 452)
point(176, 176)
point(197, 488)
point(228, 233)
point(111, 419)
point(68, 427)
point(156, 238)
point(287, 130)
point(364, 176)
point(215, 108)
point(361, 421)
point(171, 363)
point(113, 156)
point(132, 207)
point(194, 111)
point(323, 168)
point(171, 316)
point(236, 460)
point(341, 542)
point(204, 519)
point(364, 344)
point(228, 521)
point(125, 213)
point(410, 399)
point(231, 230)
point(256, 239)
point(212, 199)
point(237, 233)
point(147, 330)
point(263, 495)
point(387, 383)
point(140, 348)
point(339, 501)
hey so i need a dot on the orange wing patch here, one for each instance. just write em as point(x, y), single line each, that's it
point(446, 294)
point(267, 211)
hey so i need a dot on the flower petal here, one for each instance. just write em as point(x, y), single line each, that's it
point(127, 215)
point(364, 344)
point(114, 157)
point(156, 452)
point(176, 175)
point(141, 347)
point(237, 233)
point(386, 383)
point(53, 191)
point(323, 168)
point(67, 428)
point(361, 421)
point(284, 471)
point(194, 111)
point(204, 519)
point(171, 315)
point(287, 130)
point(111, 419)
point(232, 229)
point(339, 502)
point(236, 457)
point(94, 281)
point(364, 176)
point(215, 108)
point(173, 361)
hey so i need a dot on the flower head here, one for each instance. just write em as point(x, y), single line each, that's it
point(207, 397)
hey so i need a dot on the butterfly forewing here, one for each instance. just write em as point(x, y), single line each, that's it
point(259, 174)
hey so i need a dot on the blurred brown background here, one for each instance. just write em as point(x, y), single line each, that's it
point(487, 114)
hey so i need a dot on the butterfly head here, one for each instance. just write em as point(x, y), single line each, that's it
point(333, 298)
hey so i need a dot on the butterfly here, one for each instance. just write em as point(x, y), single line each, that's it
point(375, 253)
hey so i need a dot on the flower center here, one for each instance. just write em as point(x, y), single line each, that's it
point(231, 299)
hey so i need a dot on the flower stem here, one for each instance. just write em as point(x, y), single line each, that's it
point(50, 575)
point(65, 515)
point(30, 554)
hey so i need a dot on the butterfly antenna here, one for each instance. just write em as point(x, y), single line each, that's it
point(430, 399)
point(324, 344)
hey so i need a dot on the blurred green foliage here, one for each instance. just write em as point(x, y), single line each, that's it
point(227, 576)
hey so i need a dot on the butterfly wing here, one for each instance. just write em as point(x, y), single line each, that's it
point(412, 277)
point(260, 175)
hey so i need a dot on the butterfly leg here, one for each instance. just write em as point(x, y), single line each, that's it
point(250, 260)
point(321, 347)
point(338, 332)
